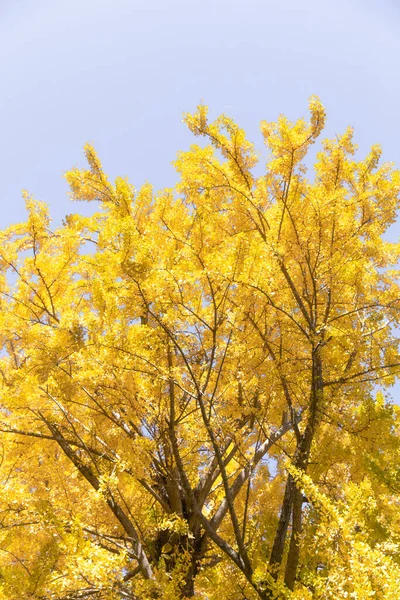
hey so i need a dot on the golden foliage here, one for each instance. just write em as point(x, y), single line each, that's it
point(189, 401)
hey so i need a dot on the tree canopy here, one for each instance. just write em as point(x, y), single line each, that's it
point(193, 393)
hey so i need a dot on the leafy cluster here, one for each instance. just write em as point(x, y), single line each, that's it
point(192, 393)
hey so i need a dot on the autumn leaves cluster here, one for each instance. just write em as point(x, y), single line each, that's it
point(193, 386)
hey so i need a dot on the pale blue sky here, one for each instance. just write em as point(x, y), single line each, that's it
point(121, 72)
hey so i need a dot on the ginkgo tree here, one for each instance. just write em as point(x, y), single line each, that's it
point(193, 382)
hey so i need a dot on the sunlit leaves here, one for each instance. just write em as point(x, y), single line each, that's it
point(168, 361)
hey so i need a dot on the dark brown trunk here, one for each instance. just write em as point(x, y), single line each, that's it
point(198, 550)
point(292, 501)
point(294, 548)
point(281, 532)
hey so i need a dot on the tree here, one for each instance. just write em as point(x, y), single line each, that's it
point(193, 381)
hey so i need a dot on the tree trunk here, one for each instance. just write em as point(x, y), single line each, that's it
point(294, 549)
point(281, 532)
point(292, 501)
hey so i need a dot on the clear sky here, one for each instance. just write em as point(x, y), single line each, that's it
point(120, 73)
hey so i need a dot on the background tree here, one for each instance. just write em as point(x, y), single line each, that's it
point(189, 379)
